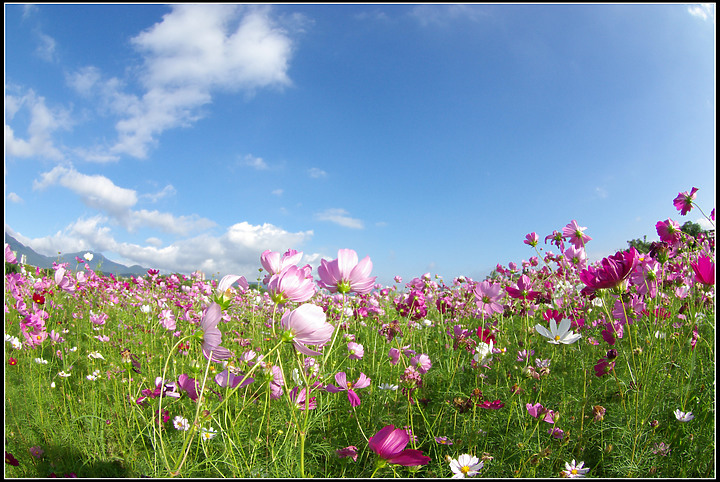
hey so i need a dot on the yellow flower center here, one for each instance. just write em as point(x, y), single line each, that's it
point(557, 337)
point(465, 469)
point(574, 471)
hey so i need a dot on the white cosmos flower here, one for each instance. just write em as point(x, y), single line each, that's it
point(465, 466)
point(684, 417)
point(483, 352)
point(558, 334)
point(88, 256)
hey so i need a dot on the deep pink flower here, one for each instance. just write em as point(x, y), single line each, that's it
point(684, 201)
point(389, 444)
point(341, 378)
point(291, 284)
point(532, 239)
point(10, 460)
point(576, 235)
point(212, 337)
point(704, 270)
point(613, 270)
point(603, 367)
point(669, 231)
point(345, 274)
point(494, 405)
point(538, 411)
point(306, 325)
point(351, 451)
point(299, 398)
point(523, 289)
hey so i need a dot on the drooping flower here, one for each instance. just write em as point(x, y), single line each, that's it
point(228, 379)
point(389, 444)
point(558, 334)
point(211, 335)
point(598, 413)
point(574, 470)
point(345, 274)
point(684, 201)
point(465, 465)
point(577, 237)
point(291, 284)
point(704, 270)
point(682, 416)
point(341, 378)
point(300, 399)
point(306, 325)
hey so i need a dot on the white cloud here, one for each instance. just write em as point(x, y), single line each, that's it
point(101, 193)
point(12, 197)
point(703, 11)
point(316, 173)
point(46, 48)
point(340, 217)
point(705, 223)
point(43, 122)
point(442, 15)
point(168, 190)
point(236, 251)
point(277, 192)
point(193, 51)
point(255, 162)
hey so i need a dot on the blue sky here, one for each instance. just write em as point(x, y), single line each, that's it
point(432, 138)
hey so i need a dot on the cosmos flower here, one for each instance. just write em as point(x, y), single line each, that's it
point(351, 451)
point(211, 336)
point(558, 334)
point(577, 237)
point(389, 444)
point(684, 201)
point(292, 284)
point(574, 470)
point(487, 296)
point(306, 325)
point(523, 289)
point(532, 239)
point(345, 274)
point(704, 270)
point(612, 271)
point(465, 465)
point(669, 231)
point(341, 378)
point(10, 259)
point(274, 263)
point(683, 417)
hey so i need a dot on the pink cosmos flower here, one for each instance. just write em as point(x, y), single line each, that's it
point(345, 274)
point(532, 239)
point(356, 350)
point(603, 367)
point(523, 289)
point(576, 235)
point(9, 255)
point(228, 379)
point(223, 289)
point(291, 284)
point(389, 443)
point(341, 378)
point(394, 355)
point(301, 400)
point(306, 325)
point(684, 201)
point(167, 319)
point(538, 411)
point(669, 231)
point(421, 362)
point(351, 451)
point(704, 270)
point(275, 264)
point(487, 296)
point(63, 282)
point(211, 336)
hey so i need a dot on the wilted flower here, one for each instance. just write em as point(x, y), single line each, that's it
point(598, 412)
point(661, 449)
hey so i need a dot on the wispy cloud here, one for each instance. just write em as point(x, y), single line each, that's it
point(442, 15)
point(14, 198)
point(46, 47)
point(316, 173)
point(277, 192)
point(703, 11)
point(255, 162)
point(340, 217)
point(44, 121)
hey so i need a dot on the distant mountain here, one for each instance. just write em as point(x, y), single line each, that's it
point(98, 263)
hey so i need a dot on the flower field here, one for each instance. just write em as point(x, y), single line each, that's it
point(555, 368)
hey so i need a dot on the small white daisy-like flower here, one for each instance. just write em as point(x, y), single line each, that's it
point(574, 470)
point(208, 433)
point(96, 355)
point(181, 423)
point(387, 386)
point(465, 466)
point(558, 334)
point(63, 374)
point(41, 361)
point(684, 417)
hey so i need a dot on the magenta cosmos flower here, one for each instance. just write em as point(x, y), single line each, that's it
point(389, 444)
point(306, 325)
point(291, 284)
point(523, 289)
point(669, 231)
point(211, 336)
point(704, 270)
point(532, 239)
point(576, 235)
point(684, 201)
point(345, 274)
point(341, 378)
point(613, 270)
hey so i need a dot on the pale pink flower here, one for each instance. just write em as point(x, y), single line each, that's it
point(274, 263)
point(291, 284)
point(345, 274)
point(212, 337)
point(421, 362)
point(575, 233)
point(306, 325)
point(487, 296)
point(9, 255)
point(356, 350)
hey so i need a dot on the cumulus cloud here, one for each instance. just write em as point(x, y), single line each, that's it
point(44, 121)
point(340, 217)
point(236, 251)
point(14, 198)
point(101, 193)
point(193, 51)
